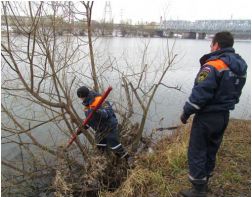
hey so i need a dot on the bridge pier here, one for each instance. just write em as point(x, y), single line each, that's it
point(170, 34)
point(159, 33)
point(189, 35)
point(201, 36)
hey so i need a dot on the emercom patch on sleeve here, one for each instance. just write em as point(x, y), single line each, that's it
point(203, 74)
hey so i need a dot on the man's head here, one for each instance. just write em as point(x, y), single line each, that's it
point(82, 92)
point(222, 40)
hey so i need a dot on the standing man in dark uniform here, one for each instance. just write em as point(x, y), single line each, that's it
point(216, 90)
point(103, 121)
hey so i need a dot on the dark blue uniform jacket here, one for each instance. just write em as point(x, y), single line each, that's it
point(218, 84)
point(104, 119)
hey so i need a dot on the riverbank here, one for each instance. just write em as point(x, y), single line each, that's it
point(164, 172)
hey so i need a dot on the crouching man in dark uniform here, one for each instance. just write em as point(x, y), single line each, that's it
point(103, 121)
point(216, 90)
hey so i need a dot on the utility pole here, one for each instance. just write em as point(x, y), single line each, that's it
point(161, 22)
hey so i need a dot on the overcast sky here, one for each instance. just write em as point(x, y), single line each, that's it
point(151, 10)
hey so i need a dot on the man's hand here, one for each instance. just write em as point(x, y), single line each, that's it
point(78, 132)
point(184, 117)
point(85, 127)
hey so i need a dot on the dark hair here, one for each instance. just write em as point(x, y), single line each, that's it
point(82, 92)
point(225, 39)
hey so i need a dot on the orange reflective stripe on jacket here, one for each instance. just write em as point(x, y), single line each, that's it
point(95, 102)
point(218, 64)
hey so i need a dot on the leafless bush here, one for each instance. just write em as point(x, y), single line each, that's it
point(40, 75)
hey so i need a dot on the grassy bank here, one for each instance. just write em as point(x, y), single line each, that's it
point(164, 172)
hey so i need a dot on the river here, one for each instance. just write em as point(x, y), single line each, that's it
point(168, 103)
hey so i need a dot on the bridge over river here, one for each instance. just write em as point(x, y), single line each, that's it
point(202, 28)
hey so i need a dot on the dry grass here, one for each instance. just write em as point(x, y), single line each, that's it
point(62, 188)
point(233, 162)
point(164, 173)
point(105, 172)
point(140, 182)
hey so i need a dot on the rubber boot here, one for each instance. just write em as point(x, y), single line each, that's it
point(120, 152)
point(197, 190)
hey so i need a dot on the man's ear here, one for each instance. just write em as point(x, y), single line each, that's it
point(217, 46)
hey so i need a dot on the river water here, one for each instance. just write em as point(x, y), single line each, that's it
point(168, 103)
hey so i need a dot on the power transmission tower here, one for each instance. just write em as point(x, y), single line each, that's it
point(121, 15)
point(71, 17)
point(107, 13)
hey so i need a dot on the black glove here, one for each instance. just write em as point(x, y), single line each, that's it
point(86, 127)
point(184, 117)
point(78, 132)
